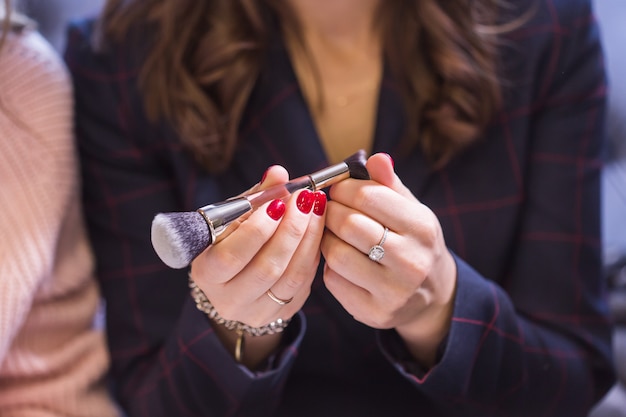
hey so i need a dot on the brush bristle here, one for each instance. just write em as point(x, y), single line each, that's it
point(179, 237)
point(356, 165)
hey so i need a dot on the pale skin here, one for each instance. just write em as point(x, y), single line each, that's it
point(411, 290)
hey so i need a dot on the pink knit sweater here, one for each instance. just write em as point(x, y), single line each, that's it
point(52, 359)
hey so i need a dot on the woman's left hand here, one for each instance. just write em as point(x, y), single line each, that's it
point(412, 287)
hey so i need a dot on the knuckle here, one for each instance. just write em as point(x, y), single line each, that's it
point(336, 256)
point(294, 282)
point(430, 234)
point(293, 229)
point(269, 270)
point(255, 231)
point(222, 260)
point(366, 197)
point(346, 226)
point(421, 265)
point(226, 311)
point(428, 230)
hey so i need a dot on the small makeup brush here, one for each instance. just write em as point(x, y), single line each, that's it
point(179, 237)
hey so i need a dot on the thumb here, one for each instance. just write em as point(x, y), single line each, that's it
point(380, 168)
point(274, 175)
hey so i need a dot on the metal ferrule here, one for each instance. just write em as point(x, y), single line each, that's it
point(328, 176)
point(219, 215)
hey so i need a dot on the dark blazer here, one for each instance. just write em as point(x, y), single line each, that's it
point(530, 332)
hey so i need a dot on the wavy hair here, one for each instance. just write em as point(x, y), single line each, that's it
point(200, 70)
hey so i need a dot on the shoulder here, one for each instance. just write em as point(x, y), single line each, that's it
point(552, 37)
point(571, 13)
point(103, 72)
point(90, 55)
point(30, 65)
point(547, 17)
point(35, 87)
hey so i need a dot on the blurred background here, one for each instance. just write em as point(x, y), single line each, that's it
point(52, 16)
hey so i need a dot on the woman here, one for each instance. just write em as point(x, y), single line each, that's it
point(489, 297)
point(53, 360)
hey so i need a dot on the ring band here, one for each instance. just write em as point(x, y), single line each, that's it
point(280, 301)
point(377, 252)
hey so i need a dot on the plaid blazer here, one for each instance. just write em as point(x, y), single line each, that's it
point(530, 331)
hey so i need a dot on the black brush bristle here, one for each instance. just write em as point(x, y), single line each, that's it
point(179, 237)
point(356, 165)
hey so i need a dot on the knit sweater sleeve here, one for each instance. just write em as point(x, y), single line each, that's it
point(52, 359)
point(35, 170)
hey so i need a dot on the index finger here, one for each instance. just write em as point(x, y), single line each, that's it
point(379, 202)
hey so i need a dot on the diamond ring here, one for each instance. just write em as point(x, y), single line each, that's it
point(377, 252)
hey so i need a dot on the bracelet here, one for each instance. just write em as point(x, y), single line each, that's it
point(203, 304)
point(239, 346)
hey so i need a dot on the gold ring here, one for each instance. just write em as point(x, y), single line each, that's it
point(280, 301)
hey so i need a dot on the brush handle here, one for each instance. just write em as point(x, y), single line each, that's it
point(219, 215)
point(315, 181)
point(279, 192)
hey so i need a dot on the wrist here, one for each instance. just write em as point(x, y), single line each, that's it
point(249, 345)
point(424, 335)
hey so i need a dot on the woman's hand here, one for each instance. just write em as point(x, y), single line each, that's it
point(275, 249)
point(412, 287)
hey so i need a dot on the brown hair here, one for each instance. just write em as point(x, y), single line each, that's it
point(201, 68)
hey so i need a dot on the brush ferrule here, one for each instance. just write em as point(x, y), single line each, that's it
point(328, 176)
point(219, 215)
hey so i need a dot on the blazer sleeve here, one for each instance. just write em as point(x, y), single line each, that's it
point(166, 359)
point(539, 342)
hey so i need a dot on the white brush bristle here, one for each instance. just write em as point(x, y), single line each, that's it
point(178, 238)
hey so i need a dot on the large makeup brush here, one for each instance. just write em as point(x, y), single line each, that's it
point(179, 237)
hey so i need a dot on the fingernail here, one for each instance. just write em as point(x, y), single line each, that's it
point(264, 176)
point(305, 201)
point(393, 163)
point(276, 209)
point(320, 203)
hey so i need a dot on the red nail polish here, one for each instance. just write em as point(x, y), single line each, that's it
point(320, 203)
point(306, 198)
point(276, 209)
point(264, 176)
point(393, 163)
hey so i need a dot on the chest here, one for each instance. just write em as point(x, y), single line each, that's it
point(342, 96)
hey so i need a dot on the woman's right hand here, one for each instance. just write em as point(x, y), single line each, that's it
point(276, 249)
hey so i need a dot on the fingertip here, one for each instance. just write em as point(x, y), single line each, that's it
point(273, 175)
point(276, 209)
point(393, 163)
point(382, 158)
point(319, 206)
point(305, 201)
point(381, 168)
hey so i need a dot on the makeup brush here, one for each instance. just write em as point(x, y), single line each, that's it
point(178, 237)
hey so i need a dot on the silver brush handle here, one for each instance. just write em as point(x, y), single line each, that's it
point(219, 215)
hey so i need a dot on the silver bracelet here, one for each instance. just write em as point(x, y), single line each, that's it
point(203, 304)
